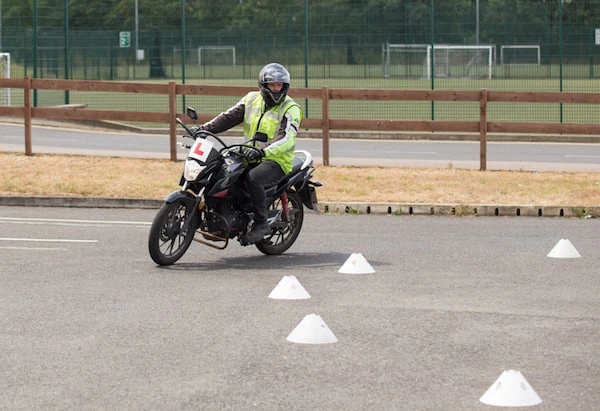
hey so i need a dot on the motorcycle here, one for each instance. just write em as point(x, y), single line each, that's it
point(213, 206)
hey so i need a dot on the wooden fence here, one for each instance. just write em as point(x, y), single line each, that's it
point(326, 124)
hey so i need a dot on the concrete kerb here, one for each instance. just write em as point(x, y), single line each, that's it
point(464, 210)
point(352, 208)
point(84, 202)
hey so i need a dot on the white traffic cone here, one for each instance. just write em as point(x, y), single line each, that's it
point(289, 288)
point(511, 389)
point(356, 264)
point(564, 249)
point(312, 330)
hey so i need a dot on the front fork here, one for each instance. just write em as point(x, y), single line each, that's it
point(194, 202)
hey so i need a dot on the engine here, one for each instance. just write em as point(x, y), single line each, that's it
point(223, 220)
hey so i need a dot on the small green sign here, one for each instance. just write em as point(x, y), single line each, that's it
point(124, 39)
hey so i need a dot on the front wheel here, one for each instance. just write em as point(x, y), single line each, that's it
point(285, 231)
point(170, 234)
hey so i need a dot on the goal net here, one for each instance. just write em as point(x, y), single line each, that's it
point(403, 60)
point(216, 55)
point(460, 61)
point(520, 55)
point(449, 61)
point(4, 73)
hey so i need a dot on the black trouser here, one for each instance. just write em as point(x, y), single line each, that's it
point(265, 174)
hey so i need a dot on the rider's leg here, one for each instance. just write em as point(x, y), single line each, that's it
point(266, 173)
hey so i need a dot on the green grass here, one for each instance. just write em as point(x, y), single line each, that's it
point(356, 77)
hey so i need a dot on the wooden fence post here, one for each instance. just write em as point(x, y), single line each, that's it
point(172, 122)
point(325, 123)
point(27, 107)
point(483, 98)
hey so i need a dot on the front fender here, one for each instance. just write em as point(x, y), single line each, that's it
point(188, 198)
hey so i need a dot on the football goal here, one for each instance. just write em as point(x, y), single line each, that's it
point(520, 54)
point(449, 61)
point(460, 61)
point(403, 60)
point(216, 55)
point(5, 73)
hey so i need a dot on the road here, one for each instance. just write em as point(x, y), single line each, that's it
point(89, 322)
point(507, 156)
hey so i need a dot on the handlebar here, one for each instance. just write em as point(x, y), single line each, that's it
point(198, 132)
point(182, 124)
point(240, 150)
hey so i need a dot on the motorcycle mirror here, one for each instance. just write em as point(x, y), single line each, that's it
point(260, 136)
point(191, 113)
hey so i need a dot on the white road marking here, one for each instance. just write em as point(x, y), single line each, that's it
point(34, 248)
point(48, 240)
point(48, 223)
point(63, 221)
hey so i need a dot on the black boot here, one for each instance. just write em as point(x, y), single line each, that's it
point(257, 232)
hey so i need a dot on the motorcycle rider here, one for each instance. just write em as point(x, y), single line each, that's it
point(271, 111)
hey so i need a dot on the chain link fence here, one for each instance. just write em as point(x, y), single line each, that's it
point(534, 45)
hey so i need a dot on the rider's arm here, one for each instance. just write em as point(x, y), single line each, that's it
point(227, 119)
point(285, 138)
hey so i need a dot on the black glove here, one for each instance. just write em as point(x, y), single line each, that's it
point(255, 154)
point(196, 129)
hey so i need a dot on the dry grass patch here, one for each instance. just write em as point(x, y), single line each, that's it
point(63, 175)
point(456, 186)
point(55, 175)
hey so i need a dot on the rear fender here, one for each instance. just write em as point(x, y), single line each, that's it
point(308, 194)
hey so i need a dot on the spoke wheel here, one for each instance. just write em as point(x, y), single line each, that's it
point(285, 231)
point(168, 240)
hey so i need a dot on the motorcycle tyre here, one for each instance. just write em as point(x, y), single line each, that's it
point(159, 222)
point(289, 239)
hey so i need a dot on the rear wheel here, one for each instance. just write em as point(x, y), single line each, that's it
point(168, 239)
point(285, 231)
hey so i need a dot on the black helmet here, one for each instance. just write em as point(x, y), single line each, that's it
point(273, 73)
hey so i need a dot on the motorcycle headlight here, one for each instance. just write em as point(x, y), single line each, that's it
point(192, 169)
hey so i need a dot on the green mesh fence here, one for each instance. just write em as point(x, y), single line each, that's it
point(532, 45)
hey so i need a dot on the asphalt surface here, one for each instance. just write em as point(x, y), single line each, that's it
point(89, 322)
point(552, 153)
